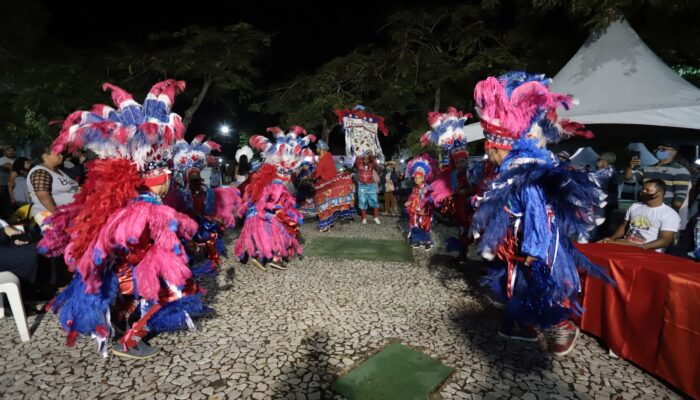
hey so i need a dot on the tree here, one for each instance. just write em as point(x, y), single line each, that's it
point(212, 60)
point(309, 100)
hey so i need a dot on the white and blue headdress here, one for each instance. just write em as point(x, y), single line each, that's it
point(143, 134)
point(287, 151)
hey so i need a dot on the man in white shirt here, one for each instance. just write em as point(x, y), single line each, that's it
point(650, 224)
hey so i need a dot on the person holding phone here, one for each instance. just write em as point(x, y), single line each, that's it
point(674, 175)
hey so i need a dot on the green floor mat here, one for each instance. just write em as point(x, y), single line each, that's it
point(359, 249)
point(396, 372)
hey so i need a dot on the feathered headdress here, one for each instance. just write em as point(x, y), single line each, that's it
point(191, 156)
point(519, 105)
point(448, 132)
point(142, 134)
point(287, 151)
point(244, 151)
point(422, 165)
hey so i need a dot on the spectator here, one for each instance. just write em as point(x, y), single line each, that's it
point(19, 194)
point(6, 161)
point(17, 256)
point(215, 179)
point(651, 224)
point(74, 166)
point(674, 175)
point(390, 184)
point(564, 160)
point(688, 244)
point(49, 187)
point(609, 180)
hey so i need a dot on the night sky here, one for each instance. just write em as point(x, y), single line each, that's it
point(304, 36)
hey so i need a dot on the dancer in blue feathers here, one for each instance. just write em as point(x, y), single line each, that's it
point(533, 209)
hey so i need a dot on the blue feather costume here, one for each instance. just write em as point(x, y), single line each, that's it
point(535, 207)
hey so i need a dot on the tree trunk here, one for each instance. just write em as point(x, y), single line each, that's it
point(196, 102)
point(436, 106)
point(326, 131)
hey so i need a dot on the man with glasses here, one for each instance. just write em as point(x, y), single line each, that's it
point(650, 224)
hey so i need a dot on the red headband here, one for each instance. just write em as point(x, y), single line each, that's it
point(156, 177)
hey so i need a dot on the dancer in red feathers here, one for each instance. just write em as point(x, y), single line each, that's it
point(122, 243)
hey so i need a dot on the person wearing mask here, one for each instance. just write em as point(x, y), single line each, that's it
point(675, 177)
point(650, 224)
point(19, 192)
point(49, 187)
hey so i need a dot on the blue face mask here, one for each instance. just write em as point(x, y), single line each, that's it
point(662, 154)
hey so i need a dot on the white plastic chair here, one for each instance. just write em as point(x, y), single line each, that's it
point(9, 284)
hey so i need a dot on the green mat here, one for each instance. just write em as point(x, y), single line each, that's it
point(396, 372)
point(359, 249)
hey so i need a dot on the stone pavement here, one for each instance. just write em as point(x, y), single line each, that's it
point(288, 334)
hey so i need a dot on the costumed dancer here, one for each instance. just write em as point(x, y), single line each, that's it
point(121, 242)
point(213, 209)
point(244, 156)
point(451, 190)
point(271, 228)
point(533, 208)
point(304, 187)
point(333, 192)
point(419, 207)
point(367, 170)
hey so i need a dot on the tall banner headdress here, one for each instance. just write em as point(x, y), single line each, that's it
point(361, 129)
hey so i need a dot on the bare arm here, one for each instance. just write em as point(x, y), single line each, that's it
point(664, 240)
point(619, 233)
point(11, 185)
point(46, 200)
point(629, 171)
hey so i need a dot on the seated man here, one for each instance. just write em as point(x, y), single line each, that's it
point(650, 224)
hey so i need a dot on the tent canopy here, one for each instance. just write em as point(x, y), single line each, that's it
point(584, 156)
point(617, 79)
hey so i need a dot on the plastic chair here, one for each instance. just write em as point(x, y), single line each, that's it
point(9, 284)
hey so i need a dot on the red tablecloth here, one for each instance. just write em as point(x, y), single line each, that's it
point(652, 318)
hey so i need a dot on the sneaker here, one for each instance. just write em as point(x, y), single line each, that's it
point(364, 221)
point(376, 221)
point(257, 264)
point(527, 334)
point(428, 247)
point(565, 336)
point(277, 265)
point(141, 351)
point(415, 245)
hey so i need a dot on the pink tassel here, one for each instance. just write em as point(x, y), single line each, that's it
point(119, 95)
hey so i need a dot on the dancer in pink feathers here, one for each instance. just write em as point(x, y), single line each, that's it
point(123, 245)
point(213, 209)
point(270, 232)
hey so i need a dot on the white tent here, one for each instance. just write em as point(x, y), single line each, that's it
point(617, 79)
point(584, 156)
point(645, 155)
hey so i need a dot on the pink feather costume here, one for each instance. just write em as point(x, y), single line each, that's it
point(123, 244)
point(271, 228)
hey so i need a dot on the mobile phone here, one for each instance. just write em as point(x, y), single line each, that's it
point(636, 153)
